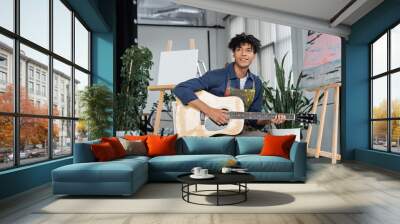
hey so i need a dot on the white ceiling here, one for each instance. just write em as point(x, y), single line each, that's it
point(314, 15)
point(321, 9)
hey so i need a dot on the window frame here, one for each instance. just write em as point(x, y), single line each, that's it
point(16, 114)
point(388, 74)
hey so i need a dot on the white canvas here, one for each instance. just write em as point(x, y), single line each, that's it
point(177, 66)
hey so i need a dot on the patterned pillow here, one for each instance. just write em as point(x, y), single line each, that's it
point(134, 147)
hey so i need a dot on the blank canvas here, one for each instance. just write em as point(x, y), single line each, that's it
point(177, 66)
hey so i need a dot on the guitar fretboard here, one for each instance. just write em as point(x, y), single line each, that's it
point(257, 115)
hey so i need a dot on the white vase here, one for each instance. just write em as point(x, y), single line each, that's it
point(287, 131)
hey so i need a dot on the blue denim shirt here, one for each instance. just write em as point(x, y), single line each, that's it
point(215, 82)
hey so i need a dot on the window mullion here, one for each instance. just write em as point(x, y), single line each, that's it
point(389, 101)
point(16, 69)
point(50, 81)
point(73, 82)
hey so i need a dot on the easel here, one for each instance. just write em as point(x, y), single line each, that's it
point(163, 88)
point(317, 151)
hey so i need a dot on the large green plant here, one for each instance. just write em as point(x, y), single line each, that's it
point(96, 102)
point(135, 78)
point(287, 97)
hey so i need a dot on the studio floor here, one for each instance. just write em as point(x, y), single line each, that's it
point(376, 189)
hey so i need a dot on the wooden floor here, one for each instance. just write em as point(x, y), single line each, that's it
point(378, 188)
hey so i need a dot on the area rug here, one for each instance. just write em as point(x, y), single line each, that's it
point(167, 198)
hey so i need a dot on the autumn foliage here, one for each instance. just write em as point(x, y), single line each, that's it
point(33, 131)
point(380, 127)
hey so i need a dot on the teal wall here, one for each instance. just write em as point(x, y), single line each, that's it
point(24, 178)
point(355, 96)
point(100, 16)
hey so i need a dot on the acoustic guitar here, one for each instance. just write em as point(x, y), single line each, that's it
point(192, 122)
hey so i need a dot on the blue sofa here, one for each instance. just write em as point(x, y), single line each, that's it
point(125, 176)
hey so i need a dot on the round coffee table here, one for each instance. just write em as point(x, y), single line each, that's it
point(238, 179)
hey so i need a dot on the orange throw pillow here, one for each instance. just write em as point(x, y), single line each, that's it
point(161, 145)
point(103, 152)
point(277, 145)
point(135, 138)
point(116, 145)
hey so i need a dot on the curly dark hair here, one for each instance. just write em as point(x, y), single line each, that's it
point(242, 38)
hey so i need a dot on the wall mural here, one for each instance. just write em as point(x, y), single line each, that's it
point(322, 60)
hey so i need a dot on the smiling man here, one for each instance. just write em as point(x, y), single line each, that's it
point(234, 80)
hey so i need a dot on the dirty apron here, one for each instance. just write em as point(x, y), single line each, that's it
point(247, 96)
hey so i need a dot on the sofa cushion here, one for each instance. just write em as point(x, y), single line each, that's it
point(103, 152)
point(257, 163)
point(83, 152)
point(116, 145)
point(185, 163)
point(161, 145)
point(111, 171)
point(134, 147)
point(249, 145)
point(206, 145)
point(277, 145)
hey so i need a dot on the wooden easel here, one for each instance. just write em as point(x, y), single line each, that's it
point(163, 88)
point(317, 151)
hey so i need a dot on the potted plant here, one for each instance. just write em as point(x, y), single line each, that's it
point(287, 97)
point(131, 100)
point(96, 102)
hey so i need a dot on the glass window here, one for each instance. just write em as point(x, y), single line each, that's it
point(33, 139)
point(37, 89)
point(379, 133)
point(62, 137)
point(3, 60)
point(379, 56)
point(81, 45)
point(35, 21)
point(30, 87)
point(43, 90)
point(385, 124)
point(30, 71)
point(395, 136)
point(395, 95)
point(81, 131)
point(6, 75)
point(61, 75)
point(395, 47)
point(379, 98)
point(3, 78)
point(7, 14)
point(81, 81)
point(6, 142)
point(62, 29)
point(40, 62)
point(34, 80)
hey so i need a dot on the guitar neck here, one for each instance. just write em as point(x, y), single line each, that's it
point(257, 115)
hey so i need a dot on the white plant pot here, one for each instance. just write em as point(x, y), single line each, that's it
point(287, 131)
point(121, 134)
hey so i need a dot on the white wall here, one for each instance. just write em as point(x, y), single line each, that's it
point(156, 37)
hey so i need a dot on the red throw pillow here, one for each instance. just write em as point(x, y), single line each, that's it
point(116, 145)
point(277, 145)
point(161, 145)
point(135, 138)
point(103, 152)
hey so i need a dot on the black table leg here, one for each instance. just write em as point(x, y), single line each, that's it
point(245, 193)
point(217, 194)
